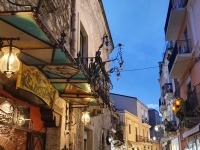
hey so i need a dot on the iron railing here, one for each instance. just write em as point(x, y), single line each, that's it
point(162, 102)
point(174, 4)
point(167, 88)
point(181, 47)
point(145, 120)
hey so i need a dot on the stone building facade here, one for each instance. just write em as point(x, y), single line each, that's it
point(51, 34)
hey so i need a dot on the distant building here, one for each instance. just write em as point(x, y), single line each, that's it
point(134, 114)
point(154, 119)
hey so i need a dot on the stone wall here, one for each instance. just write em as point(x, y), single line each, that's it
point(97, 130)
point(54, 14)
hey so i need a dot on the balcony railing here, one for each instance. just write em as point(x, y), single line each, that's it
point(181, 47)
point(162, 105)
point(174, 4)
point(167, 88)
point(145, 120)
point(139, 138)
point(170, 126)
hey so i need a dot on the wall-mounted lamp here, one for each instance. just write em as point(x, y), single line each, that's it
point(11, 115)
point(9, 63)
point(85, 117)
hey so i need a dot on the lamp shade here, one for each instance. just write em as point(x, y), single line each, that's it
point(9, 63)
point(85, 117)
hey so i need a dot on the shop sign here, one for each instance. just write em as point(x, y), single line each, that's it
point(32, 80)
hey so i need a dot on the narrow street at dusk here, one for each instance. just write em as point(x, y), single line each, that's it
point(99, 75)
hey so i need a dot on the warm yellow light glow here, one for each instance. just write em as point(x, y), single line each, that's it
point(21, 120)
point(154, 138)
point(9, 63)
point(178, 102)
point(173, 108)
point(86, 117)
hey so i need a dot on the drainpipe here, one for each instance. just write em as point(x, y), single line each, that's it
point(73, 50)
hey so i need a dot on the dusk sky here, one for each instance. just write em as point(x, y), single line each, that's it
point(139, 26)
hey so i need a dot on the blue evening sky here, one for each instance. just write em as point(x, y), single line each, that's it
point(139, 26)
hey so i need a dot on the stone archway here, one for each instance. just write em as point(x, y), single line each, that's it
point(5, 144)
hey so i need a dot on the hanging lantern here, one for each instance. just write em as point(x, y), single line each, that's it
point(86, 117)
point(9, 63)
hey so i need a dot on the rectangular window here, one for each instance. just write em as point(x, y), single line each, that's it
point(129, 128)
point(186, 34)
point(142, 113)
point(83, 41)
point(81, 44)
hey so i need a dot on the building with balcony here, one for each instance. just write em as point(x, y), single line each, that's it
point(182, 26)
point(45, 91)
point(169, 89)
point(134, 114)
point(154, 119)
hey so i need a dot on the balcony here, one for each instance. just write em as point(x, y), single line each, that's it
point(140, 138)
point(175, 16)
point(170, 126)
point(180, 59)
point(145, 120)
point(162, 105)
point(167, 91)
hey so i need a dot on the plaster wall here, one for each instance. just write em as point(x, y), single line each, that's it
point(125, 103)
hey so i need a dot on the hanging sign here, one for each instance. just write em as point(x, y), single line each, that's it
point(32, 80)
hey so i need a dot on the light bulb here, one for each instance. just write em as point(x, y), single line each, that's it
point(86, 117)
point(156, 128)
point(20, 120)
point(9, 63)
point(178, 102)
point(154, 138)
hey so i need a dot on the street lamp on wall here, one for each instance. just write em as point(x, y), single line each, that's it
point(9, 63)
point(85, 117)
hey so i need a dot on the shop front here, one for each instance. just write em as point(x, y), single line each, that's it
point(193, 138)
point(20, 125)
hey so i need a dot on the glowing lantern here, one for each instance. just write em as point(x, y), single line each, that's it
point(86, 117)
point(173, 108)
point(9, 63)
point(178, 102)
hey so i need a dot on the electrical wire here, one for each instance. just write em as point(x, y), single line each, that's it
point(139, 69)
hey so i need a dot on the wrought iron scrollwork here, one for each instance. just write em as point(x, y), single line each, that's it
point(98, 77)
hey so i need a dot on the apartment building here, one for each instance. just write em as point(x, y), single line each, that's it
point(182, 27)
point(134, 115)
